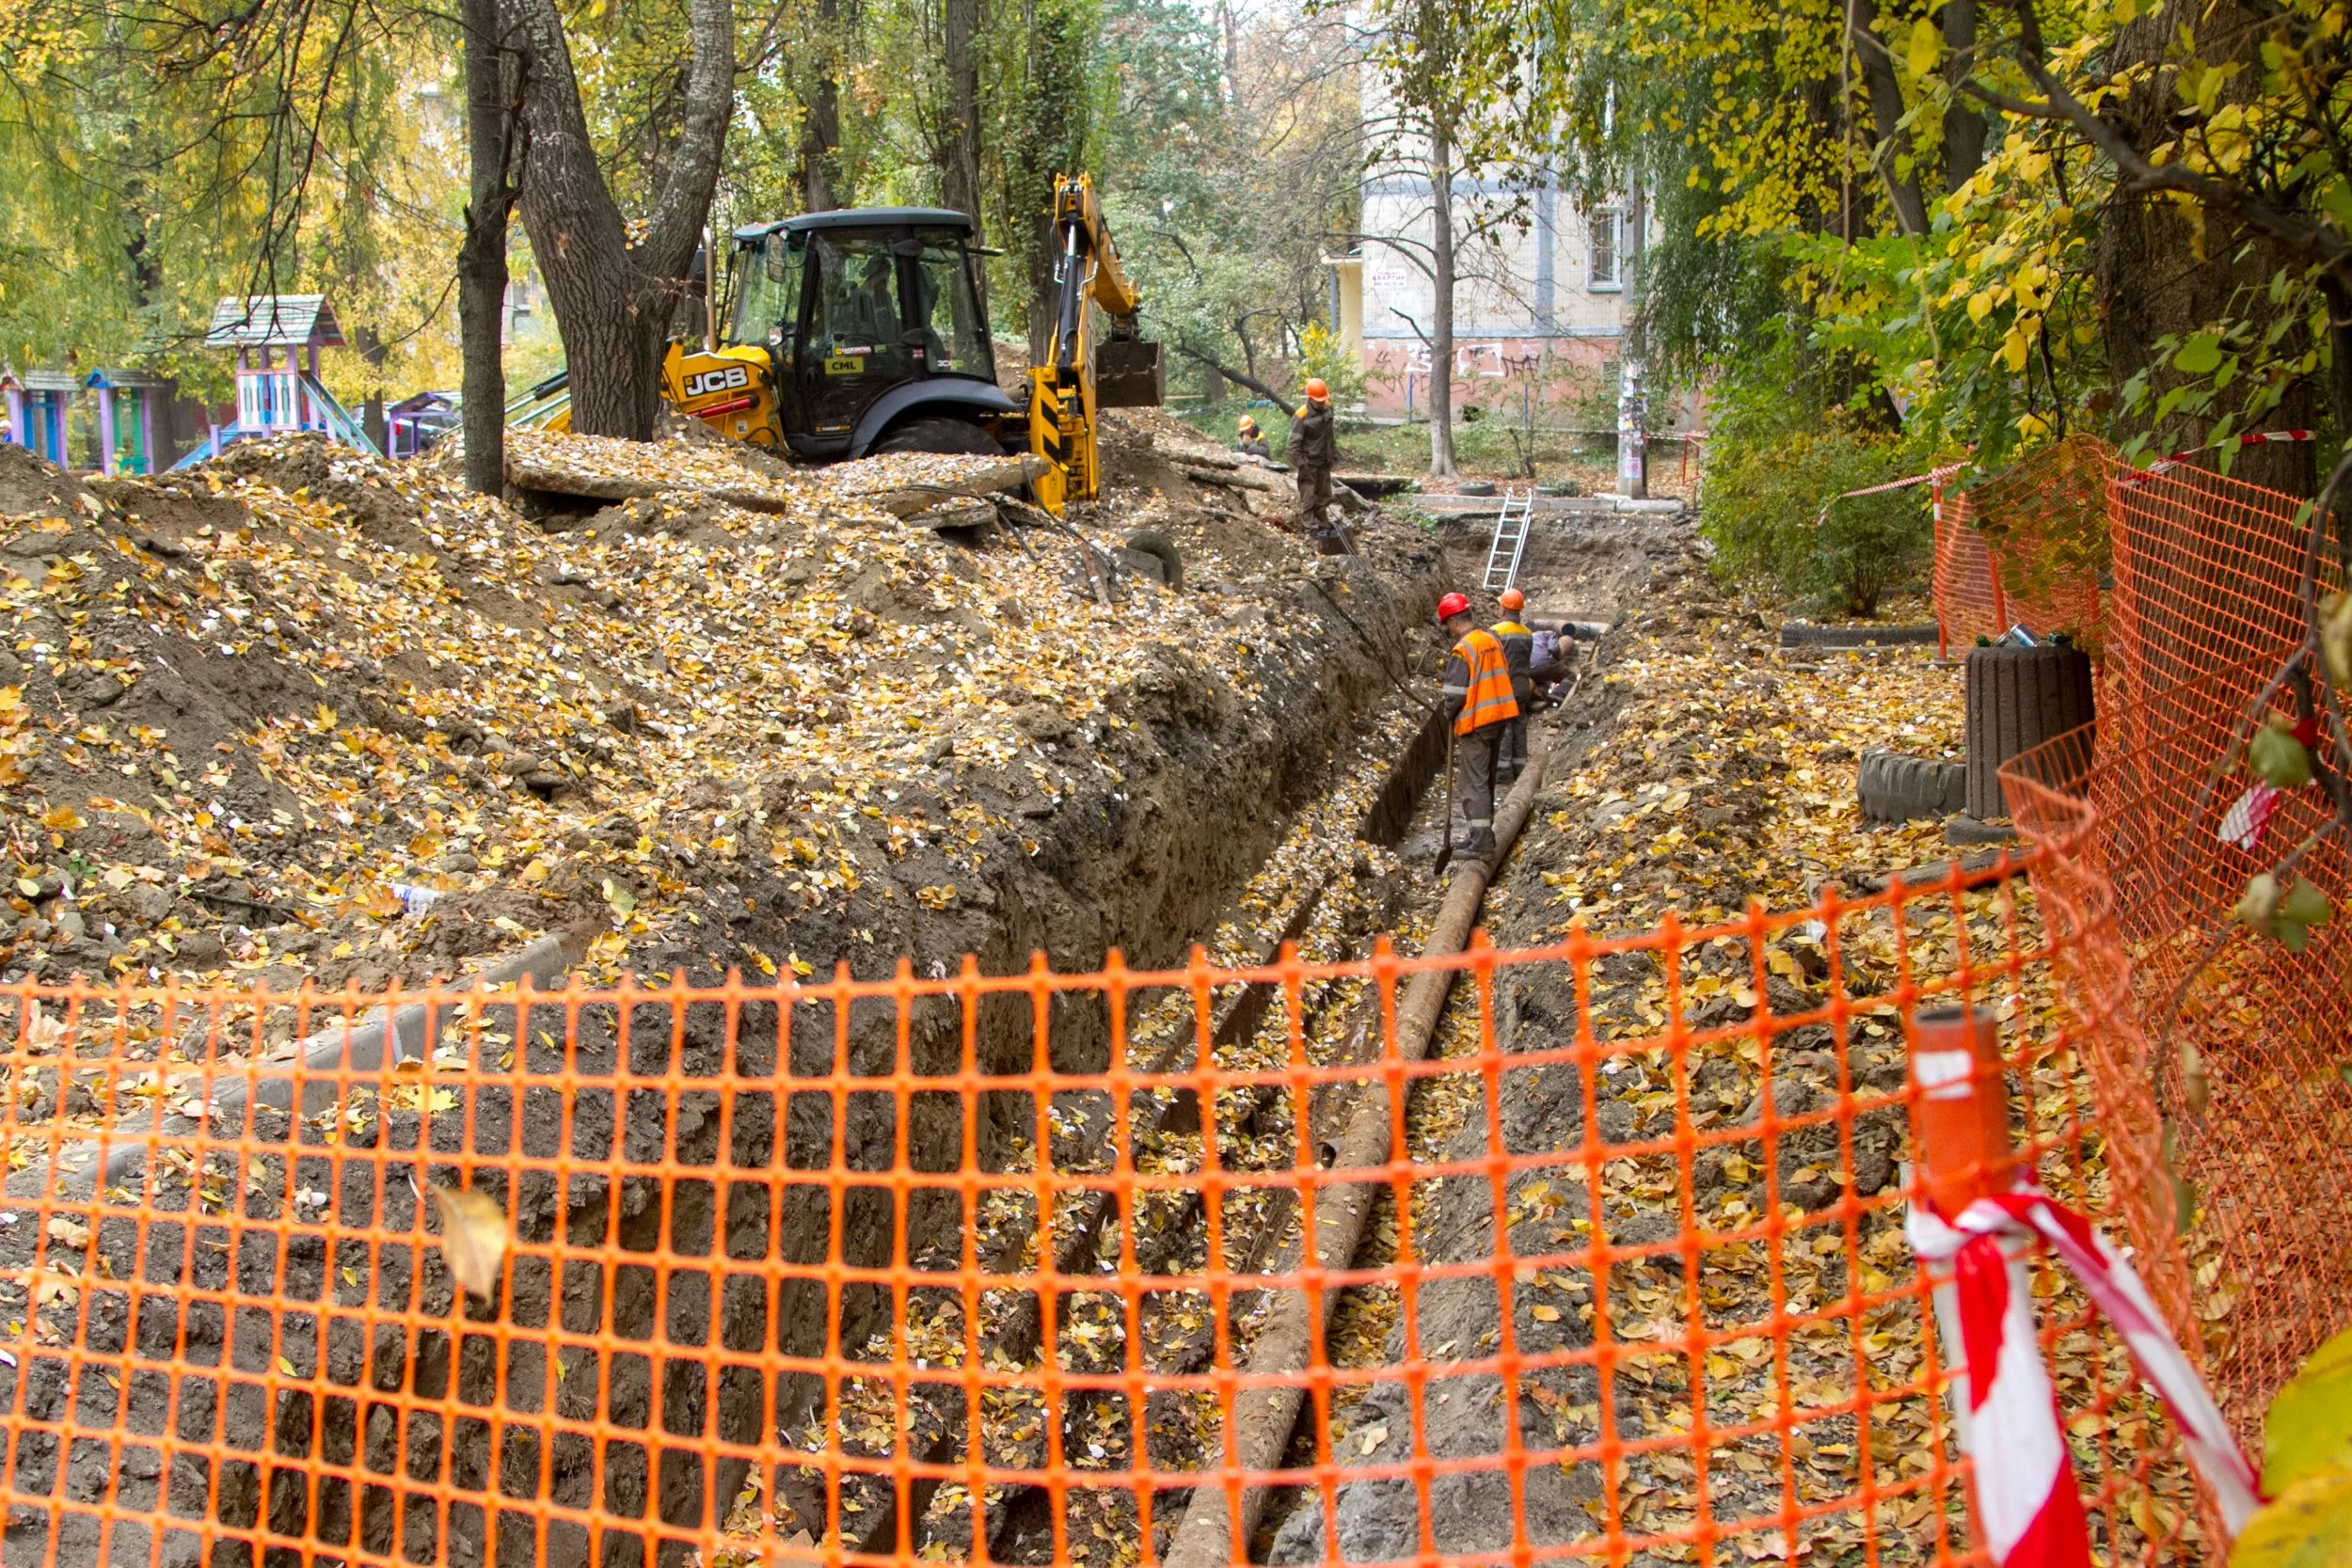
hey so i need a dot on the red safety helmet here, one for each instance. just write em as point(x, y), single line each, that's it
point(1450, 606)
point(1511, 598)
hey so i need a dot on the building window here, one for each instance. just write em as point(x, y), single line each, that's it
point(1604, 226)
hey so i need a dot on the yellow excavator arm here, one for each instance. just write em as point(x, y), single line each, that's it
point(1080, 376)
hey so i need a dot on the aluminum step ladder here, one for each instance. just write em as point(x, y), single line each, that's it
point(1510, 546)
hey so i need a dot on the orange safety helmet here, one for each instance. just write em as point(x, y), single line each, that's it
point(1244, 425)
point(1316, 390)
point(1511, 598)
point(1450, 606)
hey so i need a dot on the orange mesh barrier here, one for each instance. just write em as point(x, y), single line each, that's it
point(983, 1267)
point(2260, 1275)
point(2207, 574)
point(2204, 608)
point(2026, 545)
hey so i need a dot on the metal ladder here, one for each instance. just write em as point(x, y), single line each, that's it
point(1510, 546)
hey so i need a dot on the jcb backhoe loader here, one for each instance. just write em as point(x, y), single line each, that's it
point(859, 331)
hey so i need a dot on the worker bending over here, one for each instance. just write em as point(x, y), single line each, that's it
point(1518, 652)
point(1247, 440)
point(1549, 663)
point(1314, 450)
point(1478, 698)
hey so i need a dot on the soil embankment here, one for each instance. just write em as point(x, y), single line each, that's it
point(300, 715)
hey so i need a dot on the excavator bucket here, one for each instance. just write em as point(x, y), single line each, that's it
point(1127, 374)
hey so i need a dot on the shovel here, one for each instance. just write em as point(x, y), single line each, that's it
point(1445, 831)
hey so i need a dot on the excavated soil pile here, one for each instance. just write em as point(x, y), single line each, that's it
point(303, 714)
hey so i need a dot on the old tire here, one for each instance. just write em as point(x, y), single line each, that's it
point(1898, 787)
point(1161, 549)
point(2017, 699)
point(938, 433)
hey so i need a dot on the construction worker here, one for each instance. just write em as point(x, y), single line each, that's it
point(1312, 449)
point(1478, 698)
point(1247, 440)
point(1518, 652)
point(1549, 663)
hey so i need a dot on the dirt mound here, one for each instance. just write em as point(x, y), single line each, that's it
point(30, 487)
point(368, 724)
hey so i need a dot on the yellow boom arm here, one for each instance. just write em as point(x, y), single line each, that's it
point(1062, 393)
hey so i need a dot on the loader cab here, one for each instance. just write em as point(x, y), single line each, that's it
point(873, 322)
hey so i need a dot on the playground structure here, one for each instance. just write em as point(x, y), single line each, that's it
point(134, 419)
point(278, 338)
point(133, 428)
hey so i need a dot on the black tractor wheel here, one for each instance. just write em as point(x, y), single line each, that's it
point(939, 433)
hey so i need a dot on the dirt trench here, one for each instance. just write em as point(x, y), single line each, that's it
point(1203, 787)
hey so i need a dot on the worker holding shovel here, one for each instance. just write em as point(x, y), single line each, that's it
point(1479, 701)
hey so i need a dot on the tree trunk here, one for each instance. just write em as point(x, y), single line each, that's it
point(960, 176)
point(2339, 298)
point(1632, 394)
point(1220, 372)
point(1963, 122)
point(959, 179)
point(482, 257)
point(2155, 278)
point(1231, 34)
point(1054, 124)
point(1887, 113)
point(614, 301)
point(1441, 305)
point(822, 187)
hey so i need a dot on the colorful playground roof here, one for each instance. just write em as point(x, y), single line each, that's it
point(274, 320)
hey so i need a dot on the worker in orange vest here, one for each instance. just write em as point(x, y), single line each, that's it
point(1478, 698)
point(1518, 652)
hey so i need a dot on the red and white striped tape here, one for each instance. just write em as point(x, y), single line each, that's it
point(1934, 476)
point(2028, 1510)
point(2233, 443)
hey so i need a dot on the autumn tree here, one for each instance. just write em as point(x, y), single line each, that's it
point(616, 283)
point(493, 77)
point(1452, 76)
point(157, 157)
point(1046, 79)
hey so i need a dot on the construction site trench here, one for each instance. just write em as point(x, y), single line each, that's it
point(1248, 767)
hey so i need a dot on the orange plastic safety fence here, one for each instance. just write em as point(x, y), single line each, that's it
point(2025, 547)
point(998, 1268)
point(2205, 609)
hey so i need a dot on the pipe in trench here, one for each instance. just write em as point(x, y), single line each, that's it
point(1260, 1427)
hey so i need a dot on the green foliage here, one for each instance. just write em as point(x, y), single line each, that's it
point(1768, 508)
point(2307, 1470)
point(2286, 916)
point(2277, 758)
point(2309, 1423)
point(1783, 450)
point(1321, 353)
point(2308, 1525)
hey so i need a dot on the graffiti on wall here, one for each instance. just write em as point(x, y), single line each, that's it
point(1548, 374)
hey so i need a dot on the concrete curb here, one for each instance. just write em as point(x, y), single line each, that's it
point(86, 1166)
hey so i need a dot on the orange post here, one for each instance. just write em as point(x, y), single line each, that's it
point(1960, 1136)
point(1960, 1108)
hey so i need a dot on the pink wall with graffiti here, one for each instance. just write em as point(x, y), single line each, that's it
point(1561, 377)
